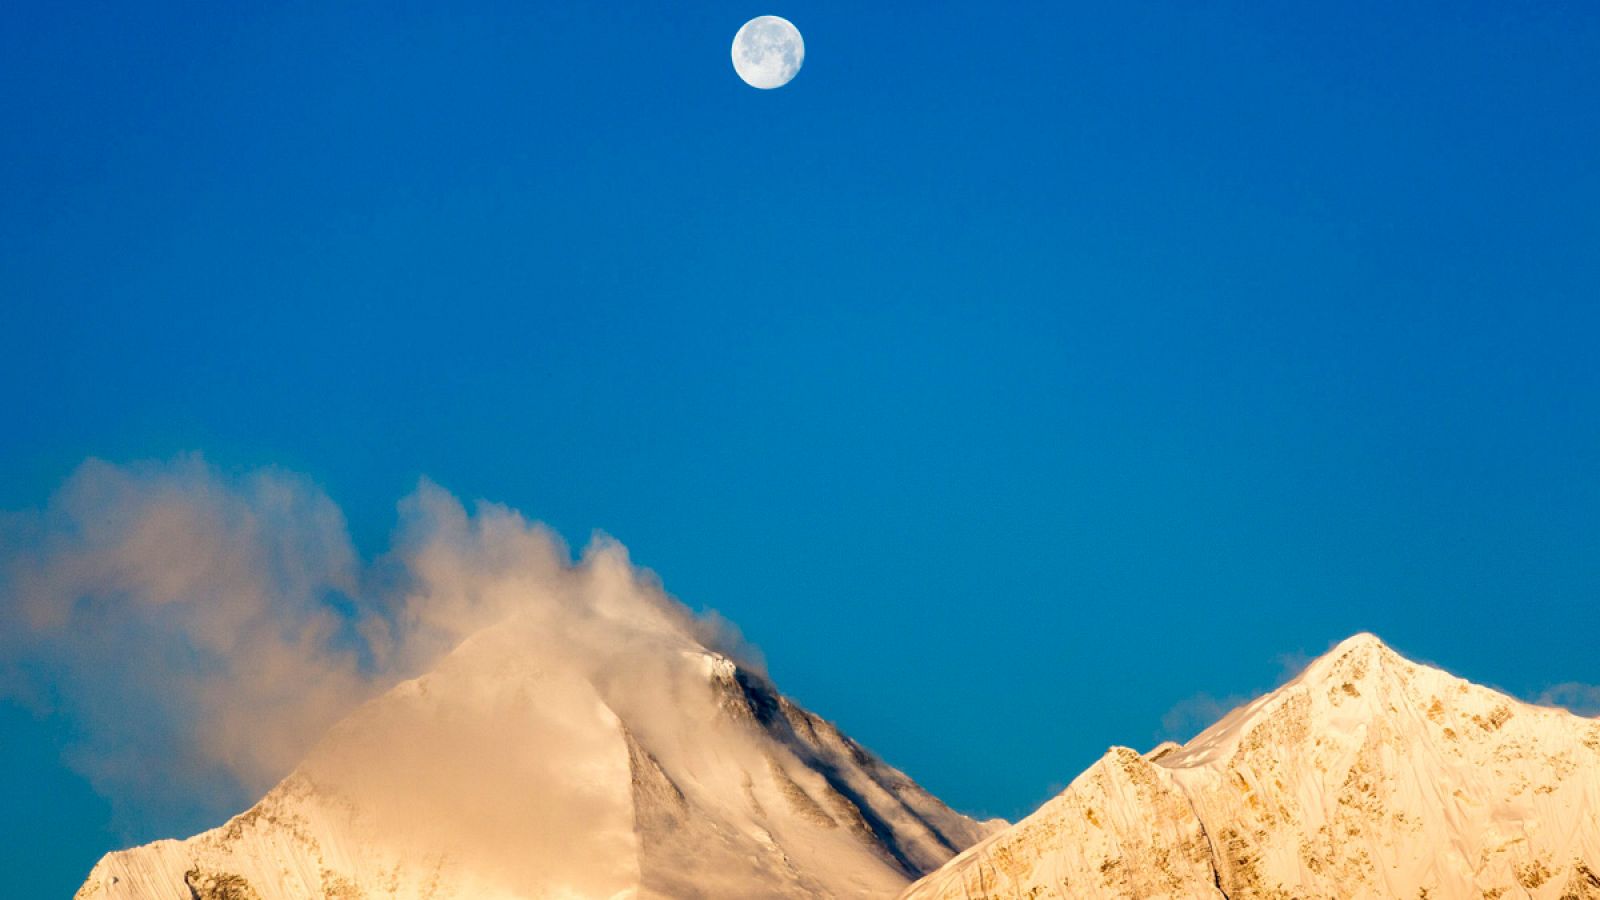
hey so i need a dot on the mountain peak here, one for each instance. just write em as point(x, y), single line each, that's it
point(522, 767)
point(1366, 775)
point(1355, 659)
point(1361, 640)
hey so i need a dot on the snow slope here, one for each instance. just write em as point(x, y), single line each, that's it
point(1367, 776)
point(505, 773)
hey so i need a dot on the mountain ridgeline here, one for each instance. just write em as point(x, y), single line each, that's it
point(505, 773)
point(1368, 776)
point(502, 775)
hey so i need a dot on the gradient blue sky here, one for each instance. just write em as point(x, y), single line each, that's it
point(1013, 375)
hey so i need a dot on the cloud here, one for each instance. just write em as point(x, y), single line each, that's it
point(1291, 664)
point(198, 630)
point(1583, 699)
point(182, 621)
point(1192, 715)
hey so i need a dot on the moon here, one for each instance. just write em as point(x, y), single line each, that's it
point(768, 51)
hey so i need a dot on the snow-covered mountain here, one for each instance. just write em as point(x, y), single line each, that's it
point(510, 773)
point(505, 773)
point(1368, 776)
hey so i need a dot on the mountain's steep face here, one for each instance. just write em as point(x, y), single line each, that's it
point(505, 773)
point(1366, 776)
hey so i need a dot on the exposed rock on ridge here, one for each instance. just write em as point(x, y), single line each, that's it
point(1366, 776)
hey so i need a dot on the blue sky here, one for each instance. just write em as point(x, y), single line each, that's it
point(1010, 377)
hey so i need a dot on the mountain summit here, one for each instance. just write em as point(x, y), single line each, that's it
point(505, 773)
point(1367, 776)
point(518, 768)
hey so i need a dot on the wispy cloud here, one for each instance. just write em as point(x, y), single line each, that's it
point(1191, 715)
point(1583, 699)
point(181, 621)
point(1291, 664)
point(198, 630)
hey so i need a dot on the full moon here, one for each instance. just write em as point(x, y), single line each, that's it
point(768, 51)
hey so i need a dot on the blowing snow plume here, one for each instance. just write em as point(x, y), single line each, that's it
point(471, 715)
point(198, 630)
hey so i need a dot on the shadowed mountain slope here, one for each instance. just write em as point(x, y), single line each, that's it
point(505, 773)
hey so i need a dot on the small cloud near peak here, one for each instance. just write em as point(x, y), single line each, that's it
point(1581, 699)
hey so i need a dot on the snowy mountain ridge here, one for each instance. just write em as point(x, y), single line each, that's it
point(503, 774)
point(1367, 776)
point(509, 774)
